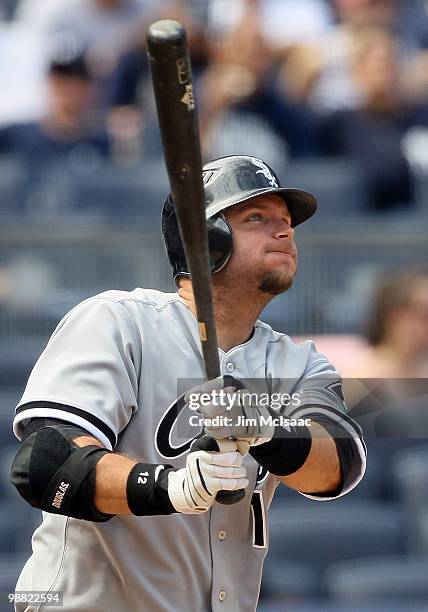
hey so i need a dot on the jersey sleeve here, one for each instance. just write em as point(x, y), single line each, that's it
point(88, 372)
point(321, 399)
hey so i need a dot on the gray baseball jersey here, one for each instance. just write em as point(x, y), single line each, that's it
point(111, 367)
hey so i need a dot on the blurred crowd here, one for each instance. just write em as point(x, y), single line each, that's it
point(309, 82)
point(282, 79)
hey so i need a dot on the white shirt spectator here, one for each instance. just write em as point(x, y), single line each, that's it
point(283, 22)
point(97, 26)
point(22, 80)
point(36, 14)
point(286, 22)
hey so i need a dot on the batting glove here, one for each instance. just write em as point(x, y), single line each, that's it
point(231, 411)
point(192, 490)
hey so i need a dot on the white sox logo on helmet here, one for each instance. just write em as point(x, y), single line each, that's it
point(265, 171)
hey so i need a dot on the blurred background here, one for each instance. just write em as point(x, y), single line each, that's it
point(334, 95)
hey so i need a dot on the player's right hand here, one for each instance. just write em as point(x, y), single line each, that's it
point(192, 490)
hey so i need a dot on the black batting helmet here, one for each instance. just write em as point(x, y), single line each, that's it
point(229, 181)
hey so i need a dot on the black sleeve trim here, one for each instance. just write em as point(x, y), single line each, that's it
point(347, 452)
point(83, 414)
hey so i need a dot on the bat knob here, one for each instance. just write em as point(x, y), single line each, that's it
point(166, 30)
point(206, 443)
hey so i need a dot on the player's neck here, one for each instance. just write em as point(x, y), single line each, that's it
point(234, 316)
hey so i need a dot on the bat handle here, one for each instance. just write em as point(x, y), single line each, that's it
point(206, 443)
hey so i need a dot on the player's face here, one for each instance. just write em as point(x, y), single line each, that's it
point(264, 250)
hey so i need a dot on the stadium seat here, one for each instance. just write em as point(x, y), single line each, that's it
point(317, 533)
point(17, 358)
point(12, 180)
point(6, 417)
point(289, 581)
point(381, 457)
point(419, 531)
point(411, 480)
point(9, 537)
point(133, 193)
point(327, 606)
point(7, 491)
point(392, 578)
point(421, 190)
point(10, 568)
point(19, 518)
point(335, 181)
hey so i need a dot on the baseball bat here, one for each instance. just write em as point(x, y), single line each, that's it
point(176, 108)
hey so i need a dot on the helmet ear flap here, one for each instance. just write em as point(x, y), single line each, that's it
point(220, 242)
point(172, 239)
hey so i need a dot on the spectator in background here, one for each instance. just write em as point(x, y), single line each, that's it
point(7, 9)
point(105, 28)
point(362, 13)
point(132, 115)
point(387, 387)
point(316, 72)
point(67, 127)
point(416, 39)
point(240, 107)
point(283, 22)
point(35, 14)
point(132, 68)
point(373, 134)
point(295, 32)
point(336, 88)
point(398, 329)
point(235, 76)
point(21, 73)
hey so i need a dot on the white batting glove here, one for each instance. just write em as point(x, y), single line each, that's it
point(232, 411)
point(192, 490)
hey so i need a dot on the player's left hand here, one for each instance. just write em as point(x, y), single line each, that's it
point(230, 410)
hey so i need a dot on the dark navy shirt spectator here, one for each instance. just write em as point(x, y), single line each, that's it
point(68, 125)
point(373, 135)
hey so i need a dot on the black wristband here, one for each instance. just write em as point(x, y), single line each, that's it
point(286, 452)
point(146, 490)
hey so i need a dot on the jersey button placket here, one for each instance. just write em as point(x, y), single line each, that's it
point(230, 366)
point(225, 576)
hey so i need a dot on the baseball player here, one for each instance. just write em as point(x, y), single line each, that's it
point(130, 517)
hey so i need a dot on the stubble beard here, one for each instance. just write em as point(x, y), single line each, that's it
point(275, 283)
point(270, 283)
